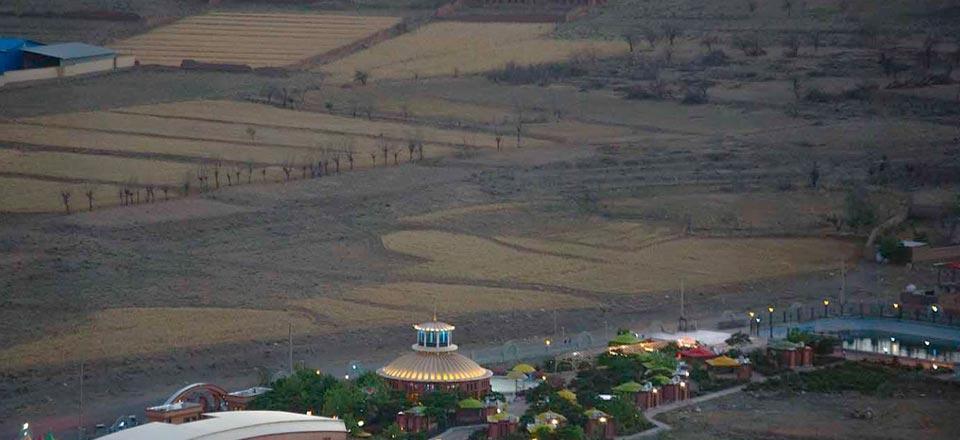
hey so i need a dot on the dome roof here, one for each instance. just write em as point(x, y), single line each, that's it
point(434, 367)
point(434, 326)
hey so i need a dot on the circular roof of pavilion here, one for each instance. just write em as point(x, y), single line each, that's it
point(434, 368)
point(434, 326)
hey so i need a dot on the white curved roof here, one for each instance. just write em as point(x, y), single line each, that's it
point(434, 326)
point(232, 425)
point(434, 367)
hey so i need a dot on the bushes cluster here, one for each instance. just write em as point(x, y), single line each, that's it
point(862, 377)
point(541, 74)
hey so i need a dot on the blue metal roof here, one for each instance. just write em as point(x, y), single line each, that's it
point(67, 51)
point(16, 43)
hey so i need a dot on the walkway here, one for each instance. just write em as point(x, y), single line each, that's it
point(459, 432)
point(660, 426)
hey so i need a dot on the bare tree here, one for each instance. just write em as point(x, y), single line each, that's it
point(65, 198)
point(361, 76)
point(185, 183)
point(411, 147)
point(89, 191)
point(237, 169)
point(287, 168)
point(671, 31)
point(217, 163)
point(710, 40)
point(166, 192)
point(749, 43)
point(631, 38)
point(667, 55)
point(420, 150)
point(251, 133)
point(816, 40)
point(928, 52)
point(652, 36)
point(336, 162)
point(499, 139)
point(791, 43)
point(752, 6)
point(396, 156)
point(373, 159)
point(788, 7)
point(797, 87)
point(202, 175)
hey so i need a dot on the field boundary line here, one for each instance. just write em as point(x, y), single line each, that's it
point(77, 180)
point(289, 127)
point(120, 153)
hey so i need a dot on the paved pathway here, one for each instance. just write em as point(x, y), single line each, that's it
point(660, 426)
point(458, 432)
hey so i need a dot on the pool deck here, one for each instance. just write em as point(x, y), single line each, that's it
point(889, 325)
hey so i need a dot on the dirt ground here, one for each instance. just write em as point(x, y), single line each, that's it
point(929, 413)
point(603, 205)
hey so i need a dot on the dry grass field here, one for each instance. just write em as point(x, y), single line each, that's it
point(452, 49)
point(33, 195)
point(254, 39)
point(454, 300)
point(122, 332)
point(698, 261)
point(167, 144)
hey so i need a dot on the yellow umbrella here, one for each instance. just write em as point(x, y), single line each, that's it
point(567, 395)
point(524, 368)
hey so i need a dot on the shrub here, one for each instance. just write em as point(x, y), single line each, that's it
point(542, 74)
point(859, 212)
point(714, 58)
point(695, 94)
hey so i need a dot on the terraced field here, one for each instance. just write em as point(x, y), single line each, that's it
point(254, 39)
point(169, 146)
point(452, 48)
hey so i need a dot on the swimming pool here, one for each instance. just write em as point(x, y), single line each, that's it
point(910, 339)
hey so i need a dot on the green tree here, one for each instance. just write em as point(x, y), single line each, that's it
point(439, 405)
point(300, 392)
point(859, 212)
point(628, 418)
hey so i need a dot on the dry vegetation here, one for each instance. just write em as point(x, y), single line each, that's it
point(257, 40)
point(454, 300)
point(452, 49)
point(179, 148)
point(123, 332)
point(699, 262)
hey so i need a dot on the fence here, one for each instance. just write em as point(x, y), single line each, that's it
point(763, 320)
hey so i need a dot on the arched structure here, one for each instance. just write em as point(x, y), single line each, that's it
point(210, 397)
point(435, 365)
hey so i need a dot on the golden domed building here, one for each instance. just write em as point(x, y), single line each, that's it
point(435, 365)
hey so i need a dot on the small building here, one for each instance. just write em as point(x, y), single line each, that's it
point(415, 420)
point(790, 354)
point(237, 425)
point(727, 367)
point(501, 425)
point(600, 425)
point(175, 413)
point(549, 419)
point(64, 54)
point(675, 391)
point(649, 396)
point(11, 53)
point(240, 400)
point(472, 411)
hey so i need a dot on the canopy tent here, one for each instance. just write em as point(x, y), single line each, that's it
point(783, 344)
point(567, 395)
point(516, 375)
point(524, 368)
point(628, 387)
point(470, 404)
point(723, 362)
point(624, 339)
point(698, 353)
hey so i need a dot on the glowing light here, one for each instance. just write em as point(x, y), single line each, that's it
point(770, 309)
point(751, 314)
point(936, 367)
point(346, 376)
point(318, 372)
point(309, 412)
point(927, 343)
point(555, 422)
point(683, 384)
point(896, 305)
point(892, 339)
point(826, 302)
point(603, 420)
point(934, 308)
point(360, 423)
point(26, 426)
point(547, 342)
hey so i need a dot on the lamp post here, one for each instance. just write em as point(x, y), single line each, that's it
point(826, 305)
point(770, 310)
point(750, 323)
point(933, 312)
point(546, 344)
point(896, 306)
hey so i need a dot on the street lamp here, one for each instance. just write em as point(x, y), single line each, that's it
point(896, 306)
point(770, 309)
point(546, 344)
point(826, 304)
point(934, 309)
point(751, 315)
